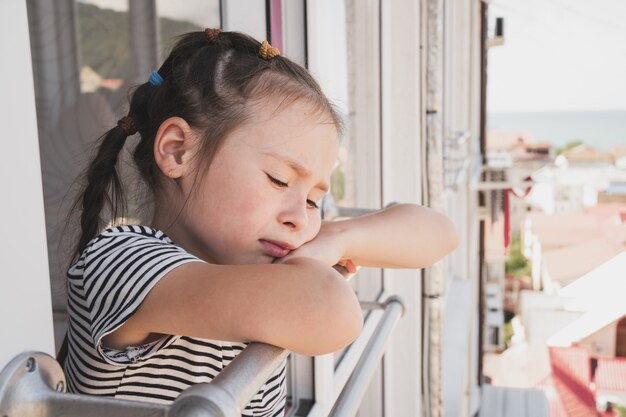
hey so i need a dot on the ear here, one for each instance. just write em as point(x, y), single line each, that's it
point(173, 145)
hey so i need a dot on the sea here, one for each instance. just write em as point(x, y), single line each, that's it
point(602, 130)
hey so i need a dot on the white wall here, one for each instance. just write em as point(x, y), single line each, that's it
point(602, 342)
point(545, 322)
point(25, 306)
point(329, 63)
point(543, 315)
point(533, 300)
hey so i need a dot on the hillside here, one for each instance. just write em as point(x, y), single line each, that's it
point(105, 39)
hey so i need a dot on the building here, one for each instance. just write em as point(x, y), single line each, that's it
point(572, 187)
point(562, 247)
point(581, 330)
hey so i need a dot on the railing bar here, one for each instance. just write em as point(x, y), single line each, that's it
point(371, 305)
point(331, 211)
point(251, 368)
point(353, 211)
point(226, 395)
point(70, 405)
point(247, 373)
point(349, 401)
point(33, 385)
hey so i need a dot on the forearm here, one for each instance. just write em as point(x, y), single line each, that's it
point(401, 236)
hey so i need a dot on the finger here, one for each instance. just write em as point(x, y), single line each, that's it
point(350, 266)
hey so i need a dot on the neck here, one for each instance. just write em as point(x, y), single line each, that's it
point(172, 223)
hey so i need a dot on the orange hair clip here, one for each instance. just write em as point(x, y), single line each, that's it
point(267, 51)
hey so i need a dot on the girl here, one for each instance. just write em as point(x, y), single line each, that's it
point(237, 146)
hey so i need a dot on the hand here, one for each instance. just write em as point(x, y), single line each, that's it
point(326, 247)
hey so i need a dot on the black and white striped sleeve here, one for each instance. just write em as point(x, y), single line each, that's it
point(121, 266)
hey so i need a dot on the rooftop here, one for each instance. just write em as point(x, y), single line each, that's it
point(571, 262)
point(599, 294)
point(585, 153)
point(605, 222)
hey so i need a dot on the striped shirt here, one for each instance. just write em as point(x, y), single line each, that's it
point(107, 284)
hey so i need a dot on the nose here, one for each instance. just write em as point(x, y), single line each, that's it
point(294, 214)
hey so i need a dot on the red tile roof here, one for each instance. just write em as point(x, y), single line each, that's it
point(564, 229)
point(589, 220)
point(611, 375)
point(585, 153)
point(554, 400)
point(571, 372)
point(508, 139)
point(571, 378)
point(572, 262)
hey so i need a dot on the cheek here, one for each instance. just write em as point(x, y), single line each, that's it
point(313, 228)
point(249, 209)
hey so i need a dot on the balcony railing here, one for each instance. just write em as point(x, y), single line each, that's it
point(33, 384)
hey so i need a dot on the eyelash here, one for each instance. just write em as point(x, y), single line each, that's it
point(277, 182)
point(281, 184)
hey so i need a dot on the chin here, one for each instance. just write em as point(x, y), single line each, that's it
point(266, 259)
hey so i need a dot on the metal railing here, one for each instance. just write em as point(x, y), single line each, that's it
point(350, 398)
point(33, 383)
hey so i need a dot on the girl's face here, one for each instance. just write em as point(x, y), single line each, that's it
point(260, 196)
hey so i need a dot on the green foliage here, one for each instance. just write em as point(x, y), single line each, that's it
point(516, 263)
point(105, 39)
point(569, 145)
point(171, 30)
point(621, 409)
point(507, 331)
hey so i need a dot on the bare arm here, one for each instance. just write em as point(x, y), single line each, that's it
point(287, 305)
point(401, 236)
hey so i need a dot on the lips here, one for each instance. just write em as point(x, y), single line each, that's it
point(276, 249)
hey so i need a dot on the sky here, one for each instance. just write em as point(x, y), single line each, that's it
point(558, 55)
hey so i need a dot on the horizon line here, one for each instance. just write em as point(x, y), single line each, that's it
point(557, 111)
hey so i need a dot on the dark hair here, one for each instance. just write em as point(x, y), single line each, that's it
point(213, 83)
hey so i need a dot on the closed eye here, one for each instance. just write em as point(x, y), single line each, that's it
point(276, 181)
point(312, 204)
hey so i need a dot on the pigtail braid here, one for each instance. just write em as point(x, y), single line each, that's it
point(103, 186)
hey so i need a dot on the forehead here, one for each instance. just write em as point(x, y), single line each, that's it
point(295, 131)
point(289, 109)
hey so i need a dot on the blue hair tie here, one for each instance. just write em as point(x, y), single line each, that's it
point(155, 79)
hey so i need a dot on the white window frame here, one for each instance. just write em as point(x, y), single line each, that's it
point(403, 74)
point(245, 16)
point(25, 305)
